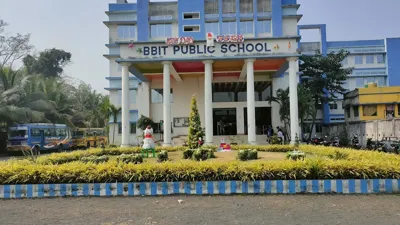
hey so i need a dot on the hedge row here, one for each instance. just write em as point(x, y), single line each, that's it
point(13, 172)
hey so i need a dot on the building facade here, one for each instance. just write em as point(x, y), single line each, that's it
point(162, 53)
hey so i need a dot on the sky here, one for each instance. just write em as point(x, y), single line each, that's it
point(77, 26)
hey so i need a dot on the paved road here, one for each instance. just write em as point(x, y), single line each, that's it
point(217, 210)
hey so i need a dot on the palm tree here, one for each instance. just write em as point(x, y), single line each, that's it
point(306, 105)
point(282, 98)
point(113, 112)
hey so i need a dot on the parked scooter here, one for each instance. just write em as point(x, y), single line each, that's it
point(317, 141)
point(355, 143)
point(335, 142)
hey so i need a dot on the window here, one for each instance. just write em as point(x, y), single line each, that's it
point(119, 128)
point(370, 59)
point(370, 110)
point(348, 112)
point(126, 32)
point(228, 6)
point(359, 82)
point(264, 6)
point(381, 81)
point(355, 110)
point(389, 111)
point(35, 132)
point(246, 6)
point(133, 128)
point(160, 30)
point(359, 59)
point(211, 7)
point(380, 58)
point(191, 28)
point(345, 61)
point(213, 28)
point(318, 128)
point(60, 132)
point(398, 109)
point(333, 106)
point(191, 16)
point(228, 27)
point(264, 26)
point(157, 96)
point(246, 27)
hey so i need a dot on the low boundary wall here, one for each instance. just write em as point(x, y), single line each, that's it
point(373, 186)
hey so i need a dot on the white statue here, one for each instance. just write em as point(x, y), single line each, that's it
point(148, 141)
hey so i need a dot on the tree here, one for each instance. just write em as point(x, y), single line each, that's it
point(305, 105)
point(113, 112)
point(282, 98)
point(143, 122)
point(324, 77)
point(195, 130)
point(49, 63)
point(12, 48)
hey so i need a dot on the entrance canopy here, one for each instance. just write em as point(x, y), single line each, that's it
point(228, 57)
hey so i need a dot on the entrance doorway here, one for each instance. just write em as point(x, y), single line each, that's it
point(263, 120)
point(224, 121)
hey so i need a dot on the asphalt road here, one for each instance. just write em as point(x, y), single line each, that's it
point(215, 210)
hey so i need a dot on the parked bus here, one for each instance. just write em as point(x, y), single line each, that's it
point(88, 137)
point(43, 136)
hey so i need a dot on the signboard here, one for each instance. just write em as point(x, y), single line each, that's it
point(236, 38)
point(202, 49)
point(179, 41)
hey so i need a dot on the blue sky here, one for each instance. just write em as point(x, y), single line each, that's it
point(76, 26)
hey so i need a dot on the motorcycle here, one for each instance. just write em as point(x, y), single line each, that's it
point(355, 143)
point(317, 141)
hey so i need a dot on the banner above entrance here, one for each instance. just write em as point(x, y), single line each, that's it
point(260, 47)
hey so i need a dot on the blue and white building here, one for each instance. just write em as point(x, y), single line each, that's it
point(162, 53)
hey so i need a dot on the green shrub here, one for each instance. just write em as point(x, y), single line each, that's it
point(162, 156)
point(95, 159)
point(339, 155)
point(295, 155)
point(132, 158)
point(203, 154)
point(247, 154)
point(188, 153)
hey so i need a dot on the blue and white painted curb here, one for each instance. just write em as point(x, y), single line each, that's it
point(374, 186)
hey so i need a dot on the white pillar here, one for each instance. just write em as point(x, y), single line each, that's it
point(167, 103)
point(125, 105)
point(294, 110)
point(251, 110)
point(208, 76)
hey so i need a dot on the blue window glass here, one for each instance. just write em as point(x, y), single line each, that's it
point(370, 59)
point(157, 96)
point(161, 30)
point(126, 32)
point(359, 59)
point(380, 58)
point(264, 26)
point(246, 27)
point(359, 82)
point(212, 27)
point(229, 28)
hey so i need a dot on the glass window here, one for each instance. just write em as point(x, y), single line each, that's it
point(333, 106)
point(211, 6)
point(228, 6)
point(228, 28)
point(358, 59)
point(381, 81)
point(370, 59)
point(133, 128)
point(35, 132)
point(132, 96)
point(348, 112)
point(160, 30)
point(389, 111)
point(60, 132)
point(119, 128)
point(246, 6)
point(359, 82)
point(212, 27)
point(355, 110)
point(380, 58)
point(126, 32)
point(345, 61)
point(246, 27)
point(157, 95)
point(370, 110)
point(398, 109)
point(264, 26)
point(318, 128)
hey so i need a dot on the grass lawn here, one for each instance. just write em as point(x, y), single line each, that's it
point(223, 156)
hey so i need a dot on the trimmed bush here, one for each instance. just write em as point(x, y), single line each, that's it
point(247, 154)
point(188, 153)
point(132, 158)
point(295, 155)
point(203, 154)
point(95, 159)
point(338, 155)
point(162, 156)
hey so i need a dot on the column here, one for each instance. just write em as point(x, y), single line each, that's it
point(251, 110)
point(208, 76)
point(167, 103)
point(294, 110)
point(125, 123)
